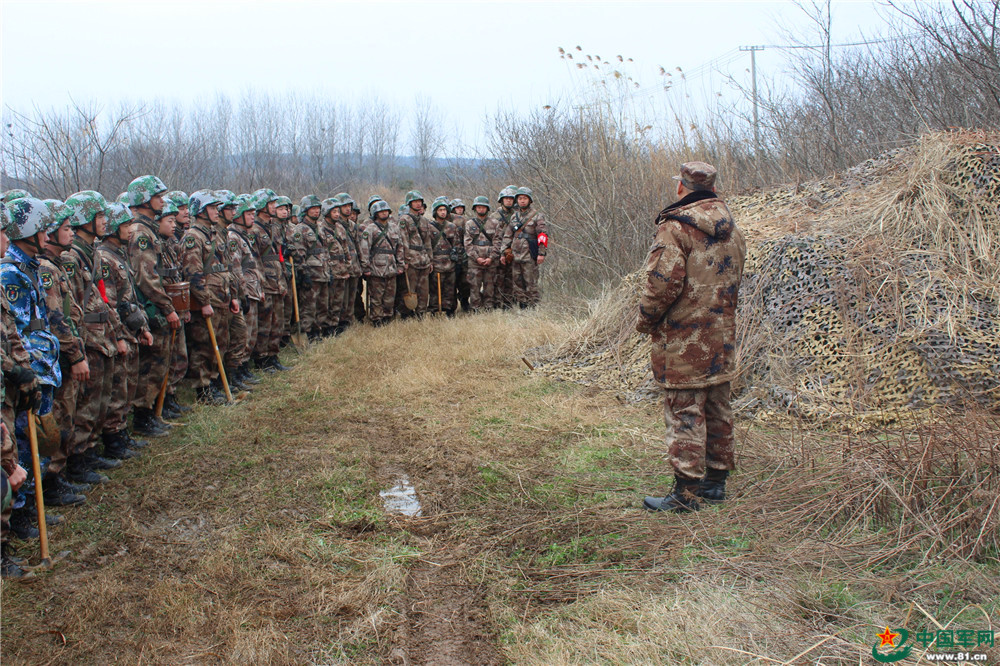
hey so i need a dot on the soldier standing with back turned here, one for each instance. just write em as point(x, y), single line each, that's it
point(688, 305)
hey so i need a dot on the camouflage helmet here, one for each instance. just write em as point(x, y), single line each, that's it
point(4, 215)
point(14, 195)
point(122, 198)
point(144, 188)
point(295, 211)
point(83, 207)
point(309, 201)
point(170, 207)
point(481, 201)
point(354, 207)
point(226, 198)
point(379, 206)
point(329, 204)
point(259, 199)
point(438, 203)
point(59, 214)
point(179, 198)
point(119, 214)
point(403, 209)
point(509, 191)
point(26, 216)
point(344, 198)
point(456, 203)
point(525, 191)
point(201, 200)
point(372, 199)
point(283, 201)
point(412, 196)
point(246, 203)
point(265, 193)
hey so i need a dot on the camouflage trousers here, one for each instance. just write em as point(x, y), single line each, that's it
point(482, 284)
point(64, 411)
point(348, 313)
point(503, 294)
point(92, 406)
point(381, 298)
point(267, 321)
point(525, 282)
point(153, 367)
point(462, 286)
point(123, 390)
point(307, 309)
point(288, 323)
point(178, 355)
point(279, 325)
point(202, 365)
point(338, 298)
point(448, 301)
point(322, 305)
point(419, 284)
point(699, 430)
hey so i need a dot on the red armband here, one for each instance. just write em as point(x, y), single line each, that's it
point(101, 288)
point(543, 239)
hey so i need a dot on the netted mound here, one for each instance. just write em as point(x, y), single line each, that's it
point(864, 295)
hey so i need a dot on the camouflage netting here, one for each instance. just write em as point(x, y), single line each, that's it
point(864, 295)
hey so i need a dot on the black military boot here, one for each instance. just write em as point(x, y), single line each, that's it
point(22, 521)
point(10, 566)
point(209, 395)
point(234, 381)
point(171, 399)
point(682, 500)
point(144, 424)
point(168, 413)
point(78, 471)
point(78, 488)
point(116, 446)
point(341, 327)
point(93, 460)
point(247, 376)
point(713, 486)
point(273, 362)
point(263, 364)
point(55, 493)
point(132, 442)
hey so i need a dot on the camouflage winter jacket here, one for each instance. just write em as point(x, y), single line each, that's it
point(688, 305)
point(381, 248)
point(65, 314)
point(526, 235)
point(444, 241)
point(415, 230)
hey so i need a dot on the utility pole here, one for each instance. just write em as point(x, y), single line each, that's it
point(753, 76)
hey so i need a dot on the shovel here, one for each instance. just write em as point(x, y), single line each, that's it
point(300, 341)
point(218, 359)
point(409, 298)
point(43, 534)
point(166, 380)
point(439, 293)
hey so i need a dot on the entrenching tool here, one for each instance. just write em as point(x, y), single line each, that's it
point(300, 341)
point(409, 298)
point(439, 293)
point(166, 380)
point(43, 535)
point(218, 359)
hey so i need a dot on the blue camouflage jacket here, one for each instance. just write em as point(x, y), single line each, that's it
point(26, 300)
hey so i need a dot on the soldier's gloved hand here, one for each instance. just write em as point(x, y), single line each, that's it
point(25, 381)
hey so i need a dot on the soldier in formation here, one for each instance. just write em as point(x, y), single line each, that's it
point(109, 307)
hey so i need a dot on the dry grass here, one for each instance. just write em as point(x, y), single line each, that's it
point(258, 536)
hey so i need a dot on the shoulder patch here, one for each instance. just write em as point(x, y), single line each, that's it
point(70, 268)
point(252, 237)
point(143, 243)
point(12, 292)
point(365, 234)
point(190, 241)
point(297, 235)
point(233, 245)
point(46, 279)
point(105, 271)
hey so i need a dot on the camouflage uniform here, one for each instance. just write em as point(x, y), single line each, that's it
point(178, 353)
point(65, 320)
point(270, 313)
point(382, 256)
point(205, 264)
point(350, 241)
point(152, 258)
point(119, 287)
point(338, 243)
point(416, 237)
point(480, 243)
point(247, 270)
point(503, 295)
point(13, 354)
point(84, 268)
point(688, 305)
point(526, 237)
point(444, 241)
point(311, 261)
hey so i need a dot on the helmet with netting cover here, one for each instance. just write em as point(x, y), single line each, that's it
point(26, 216)
point(144, 188)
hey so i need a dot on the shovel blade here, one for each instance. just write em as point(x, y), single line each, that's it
point(410, 301)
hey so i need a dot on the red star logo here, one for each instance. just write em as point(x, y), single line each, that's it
point(888, 638)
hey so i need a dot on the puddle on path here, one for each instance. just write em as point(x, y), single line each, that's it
point(401, 498)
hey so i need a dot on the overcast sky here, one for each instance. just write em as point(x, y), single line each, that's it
point(470, 57)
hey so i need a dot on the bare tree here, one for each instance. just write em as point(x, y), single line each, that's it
point(426, 136)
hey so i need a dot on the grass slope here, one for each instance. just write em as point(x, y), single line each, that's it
point(256, 534)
